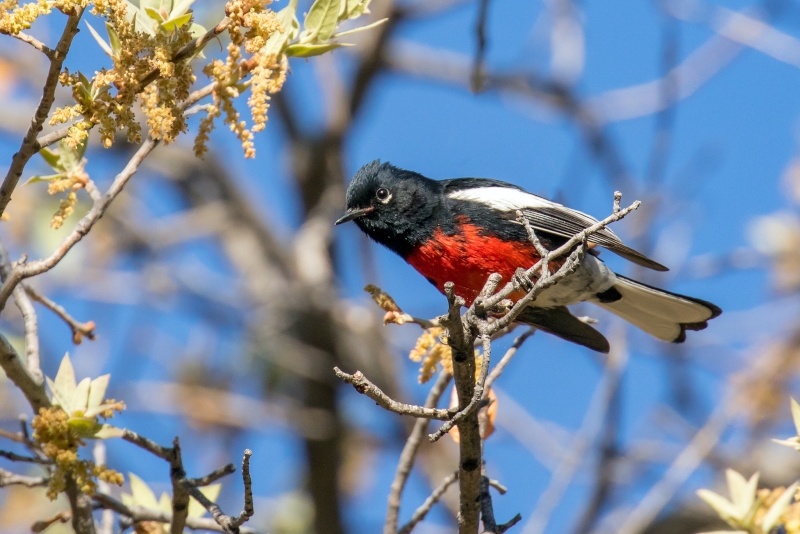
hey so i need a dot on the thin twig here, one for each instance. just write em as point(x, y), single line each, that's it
point(14, 457)
point(36, 43)
point(137, 515)
point(478, 69)
point(7, 478)
point(409, 454)
point(420, 513)
point(490, 525)
point(365, 387)
point(79, 330)
point(29, 147)
point(213, 476)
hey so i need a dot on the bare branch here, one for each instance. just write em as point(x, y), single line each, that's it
point(365, 387)
point(409, 454)
point(14, 457)
point(36, 43)
point(433, 498)
point(213, 476)
point(229, 524)
point(78, 329)
point(487, 512)
point(138, 515)
point(7, 478)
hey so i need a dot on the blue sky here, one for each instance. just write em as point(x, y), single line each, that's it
point(731, 141)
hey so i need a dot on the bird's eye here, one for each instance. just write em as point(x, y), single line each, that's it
point(383, 195)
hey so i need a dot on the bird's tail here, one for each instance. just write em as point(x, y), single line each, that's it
point(660, 313)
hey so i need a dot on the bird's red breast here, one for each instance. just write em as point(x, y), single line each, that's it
point(468, 257)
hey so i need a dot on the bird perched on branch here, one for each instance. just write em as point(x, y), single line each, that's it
point(465, 229)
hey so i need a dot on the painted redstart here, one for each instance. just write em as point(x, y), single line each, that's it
point(465, 229)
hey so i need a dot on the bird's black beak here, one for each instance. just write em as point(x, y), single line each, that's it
point(354, 214)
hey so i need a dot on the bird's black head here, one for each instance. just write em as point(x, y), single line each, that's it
point(395, 207)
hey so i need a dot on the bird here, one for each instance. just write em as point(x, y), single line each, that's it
point(463, 230)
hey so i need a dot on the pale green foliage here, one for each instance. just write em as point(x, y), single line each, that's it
point(319, 27)
point(740, 511)
point(142, 495)
point(82, 401)
point(150, 17)
point(64, 162)
point(794, 441)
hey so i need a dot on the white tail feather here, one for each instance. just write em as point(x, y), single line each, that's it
point(659, 313)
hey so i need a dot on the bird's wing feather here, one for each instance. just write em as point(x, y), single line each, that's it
point(544, 215)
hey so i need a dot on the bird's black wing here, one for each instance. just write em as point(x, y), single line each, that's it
point(544, 215)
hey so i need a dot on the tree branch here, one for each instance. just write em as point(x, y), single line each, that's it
point(29, 146)
point(409, 455)
point(433, 498)
point(365, 387)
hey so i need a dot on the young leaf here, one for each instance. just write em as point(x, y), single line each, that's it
point(97, 392)
point(796, 415)
point(177, 22)
point(104, 45)
point(181, 7)
point(80, 397)
point(69, 156)
point(776, 510)
point(720, 504)
point(360, 29)
point(289, 24)
point(47, 178)
point(58, 399)
point(356, 8)
point(310, 50)
point(107, 431)
point(141, 494)
point(65, 380)
point(321, 21)
point(52, 159)
point(113, 38)
point(154, 14)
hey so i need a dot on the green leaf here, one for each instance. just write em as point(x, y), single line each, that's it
point(175, 23)
point(360, 29)
point(356, 8)
point(288, 20)
point(94, 411)
point(97, 392)
point(64, 383)
point(321, 21)
point(151, 4)
point(36, 179)
point(69, 156)
point(104, 45)
point(154, 14)
point(113, 38)
point(793, 442)
point(52, 159)
point(107, 431)
point(180, 7)
point(311, 50)
point(141, 22)
point(80, 150)
point(776, 510)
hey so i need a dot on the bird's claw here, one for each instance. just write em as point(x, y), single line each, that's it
point(522, 280)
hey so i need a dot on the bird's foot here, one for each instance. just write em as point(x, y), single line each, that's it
point(522, 280)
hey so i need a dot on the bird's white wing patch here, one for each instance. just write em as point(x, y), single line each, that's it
point(503, 198)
